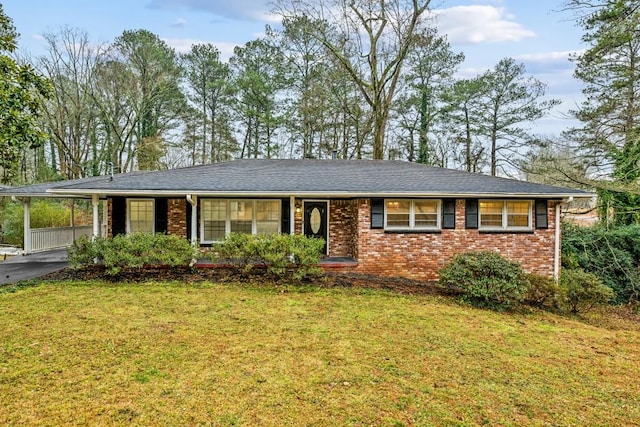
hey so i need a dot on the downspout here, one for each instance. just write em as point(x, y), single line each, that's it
point(556, 254)
point(193, 201)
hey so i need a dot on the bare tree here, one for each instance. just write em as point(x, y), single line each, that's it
point(70, 114)
point(370, 39)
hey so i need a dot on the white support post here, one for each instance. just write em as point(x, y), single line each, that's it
point(557, 237)
point(292, 215)
point(73, 220)
point(105, 219)
point(96, 216)
point(26, 202)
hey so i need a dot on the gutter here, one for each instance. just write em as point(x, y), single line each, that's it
point(316, 194)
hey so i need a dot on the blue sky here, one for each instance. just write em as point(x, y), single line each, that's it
point(536, 33)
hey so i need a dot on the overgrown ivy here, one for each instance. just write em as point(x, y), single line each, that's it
point(611, 253)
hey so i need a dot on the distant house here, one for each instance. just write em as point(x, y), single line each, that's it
point(379, 217)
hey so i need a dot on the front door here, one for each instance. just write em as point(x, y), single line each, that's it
point(315, 221)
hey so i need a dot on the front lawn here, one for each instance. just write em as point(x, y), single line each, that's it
point(206, 354)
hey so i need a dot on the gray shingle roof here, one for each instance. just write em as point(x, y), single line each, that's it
point(305, 178)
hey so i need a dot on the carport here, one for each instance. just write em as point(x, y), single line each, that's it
point(37, 240)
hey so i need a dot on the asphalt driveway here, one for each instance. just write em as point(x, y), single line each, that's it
point(25, 267)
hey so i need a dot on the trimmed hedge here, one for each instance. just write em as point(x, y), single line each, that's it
point(486, 279)
point(131, 251)
point(281, 255)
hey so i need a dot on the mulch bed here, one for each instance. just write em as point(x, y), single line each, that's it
point(195, 275)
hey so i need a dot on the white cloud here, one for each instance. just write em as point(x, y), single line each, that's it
point(247, 10)
point(548, 57)
point(38, 37)
point(180, 22)
point(184, 46)
point(549, 62)
point(479, 24)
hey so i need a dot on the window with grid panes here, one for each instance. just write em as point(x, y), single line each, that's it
point(220, 217)
point(241, 216)
point(416, 214)
point(505, 214)
point(267, 216)
point(214, 219)
point(141, 216)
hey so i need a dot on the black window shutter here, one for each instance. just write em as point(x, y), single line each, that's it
point(471, 213)
point(542, 219)
point(162, 209)
point(377, 213)
point(285, 223)
point(118, 216)
point(449, 213)
point(188, 219)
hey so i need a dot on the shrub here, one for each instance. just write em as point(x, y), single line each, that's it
point(279, 254)
point(611, 253)
point(581, 290)
point(131, 251)
point(486, 279)
point(543, 291)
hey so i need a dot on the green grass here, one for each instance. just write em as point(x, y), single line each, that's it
point(227, 355)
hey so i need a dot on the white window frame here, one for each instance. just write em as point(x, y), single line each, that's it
point(505, 217)
point(412, 225)
point(153, 207)
point(227, 227)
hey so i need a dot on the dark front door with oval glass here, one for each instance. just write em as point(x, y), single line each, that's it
point(315, 221)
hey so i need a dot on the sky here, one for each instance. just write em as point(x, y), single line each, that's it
point(536, 33)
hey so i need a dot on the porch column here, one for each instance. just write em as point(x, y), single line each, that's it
point(292, 215)
point(193, 200)
point(96, 216)
point(26, 202)
point(104, 229)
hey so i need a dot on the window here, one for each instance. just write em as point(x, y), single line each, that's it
point(214, 219)
point(220, 217)
point(412, 214)
point(141, 216)
point(241, 216)
point(505, 214)
point(267, 216)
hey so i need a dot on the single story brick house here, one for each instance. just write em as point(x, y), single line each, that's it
point(379, 217)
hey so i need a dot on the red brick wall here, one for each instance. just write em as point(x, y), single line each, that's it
point(342, 228)
point(177, 217)
point(422, 255)
point(417, 255)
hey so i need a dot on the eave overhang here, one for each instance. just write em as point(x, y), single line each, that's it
point(309, 194)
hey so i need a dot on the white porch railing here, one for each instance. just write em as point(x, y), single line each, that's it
point(43, 239)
